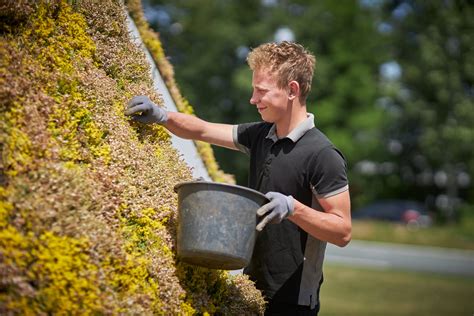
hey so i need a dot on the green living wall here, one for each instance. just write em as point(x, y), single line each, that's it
point(87, 208)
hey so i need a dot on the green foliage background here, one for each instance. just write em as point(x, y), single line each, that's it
point(399, 134)
point(433, 102)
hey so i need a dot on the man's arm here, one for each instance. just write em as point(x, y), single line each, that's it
point(143, 110)
point(333, 225)
point(191, 127)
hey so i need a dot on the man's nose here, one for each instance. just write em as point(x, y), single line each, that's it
point(253, 99)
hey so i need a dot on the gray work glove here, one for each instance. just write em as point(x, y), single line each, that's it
point(280, 207)
point(142, 110)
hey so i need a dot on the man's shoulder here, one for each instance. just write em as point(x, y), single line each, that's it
point(254, 128)
point(318, 146)
point(247, 135)
point(259, 124)
point(317, 139)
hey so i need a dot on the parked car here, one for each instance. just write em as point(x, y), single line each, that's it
point(411, 213)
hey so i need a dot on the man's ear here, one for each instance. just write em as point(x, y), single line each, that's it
point(293, 90)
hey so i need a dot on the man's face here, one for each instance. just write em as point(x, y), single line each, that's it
point(271, 101)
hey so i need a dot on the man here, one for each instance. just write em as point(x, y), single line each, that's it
point(293, 163)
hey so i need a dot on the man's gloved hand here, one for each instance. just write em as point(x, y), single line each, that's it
point(280, 207)
point(142, 110)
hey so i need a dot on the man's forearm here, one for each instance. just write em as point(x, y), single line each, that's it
point(330, 227)
point(185, 125)
point(142, 109)
point(191, 127)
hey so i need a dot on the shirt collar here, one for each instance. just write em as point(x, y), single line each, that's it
point(297, 132)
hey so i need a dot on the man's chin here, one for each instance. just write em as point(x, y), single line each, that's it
point(267, 119)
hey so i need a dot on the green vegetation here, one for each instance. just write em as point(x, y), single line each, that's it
point(431, 103)
point(357, 291)
point(153, 43)
point(392, 89)
point(345, 88)
point(87, 209)
point(450, 236)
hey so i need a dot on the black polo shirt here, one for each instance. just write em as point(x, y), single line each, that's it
point(287, 262)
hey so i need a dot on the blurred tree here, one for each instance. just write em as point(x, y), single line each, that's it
point(433, 135)
point(208, 42)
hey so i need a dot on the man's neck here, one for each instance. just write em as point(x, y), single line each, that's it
point(285, 127)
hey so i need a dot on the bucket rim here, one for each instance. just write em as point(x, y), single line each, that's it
point(233, 186)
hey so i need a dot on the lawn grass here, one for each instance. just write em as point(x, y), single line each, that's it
point(452, 236)
point(361, 291)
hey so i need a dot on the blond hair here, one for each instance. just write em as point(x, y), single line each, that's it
point(289, 61)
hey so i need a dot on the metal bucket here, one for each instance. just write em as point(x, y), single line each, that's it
point(216, 224)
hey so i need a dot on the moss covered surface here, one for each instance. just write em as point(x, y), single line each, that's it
point(87, 208)
point(153, 43)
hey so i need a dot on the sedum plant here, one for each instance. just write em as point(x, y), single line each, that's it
point(87, 208)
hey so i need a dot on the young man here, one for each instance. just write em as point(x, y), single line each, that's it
point(293, 163)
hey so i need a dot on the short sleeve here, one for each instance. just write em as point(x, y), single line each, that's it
point(244, 135)
point(329, 174)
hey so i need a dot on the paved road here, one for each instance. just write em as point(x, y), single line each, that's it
point(406, 257)
point(377, 255)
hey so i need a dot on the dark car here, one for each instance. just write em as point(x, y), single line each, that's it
point(412, 213)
